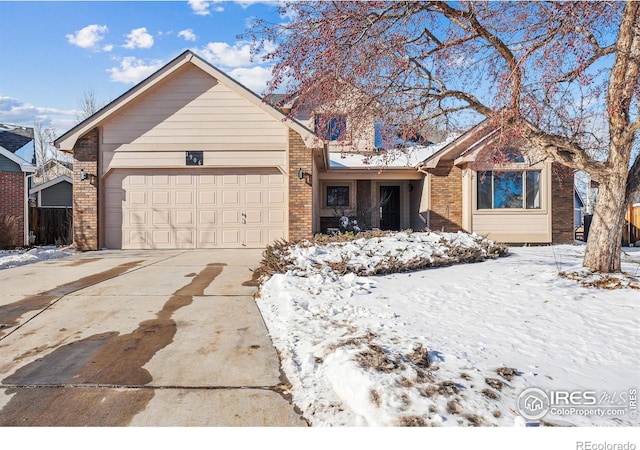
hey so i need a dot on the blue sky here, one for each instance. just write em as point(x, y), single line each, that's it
point(52, 52)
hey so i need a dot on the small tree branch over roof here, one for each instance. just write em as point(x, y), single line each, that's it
point(563, 75)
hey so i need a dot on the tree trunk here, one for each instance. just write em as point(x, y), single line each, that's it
point(605, 235)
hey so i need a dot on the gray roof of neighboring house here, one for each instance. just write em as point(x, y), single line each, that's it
point(15, 138)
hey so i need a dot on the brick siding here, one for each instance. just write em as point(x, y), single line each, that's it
point(561, 204)
point(12, 205)
point(446, 197)
point(300, 192)
point(85, 193)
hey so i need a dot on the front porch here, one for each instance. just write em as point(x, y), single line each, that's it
point(375, 200)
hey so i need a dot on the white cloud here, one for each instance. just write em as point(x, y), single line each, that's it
point(139, 38)
point(223, 54)
point(133, 70)
point(187, 34)
point(201, 7)
point(255, 78)
point(89, 36)
point(107, 48)
point(16, 112)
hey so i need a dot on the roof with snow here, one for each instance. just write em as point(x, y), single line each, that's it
point(406, 157)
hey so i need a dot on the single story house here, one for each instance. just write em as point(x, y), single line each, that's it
point(14, 192)
point(55, 193)
point(190, 158)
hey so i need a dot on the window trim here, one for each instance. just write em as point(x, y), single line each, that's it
point(523, 210)
point(325, 209)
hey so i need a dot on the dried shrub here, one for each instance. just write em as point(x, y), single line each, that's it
point(413, 421)
point(9, 231)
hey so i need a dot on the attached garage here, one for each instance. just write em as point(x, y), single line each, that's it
point(188, 159)
point(159, 209)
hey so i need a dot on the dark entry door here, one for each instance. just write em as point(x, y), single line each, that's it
point(389, 207)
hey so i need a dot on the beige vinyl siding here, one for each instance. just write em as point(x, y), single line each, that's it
point(515, 228)
point(192, 111)
point(514, 225)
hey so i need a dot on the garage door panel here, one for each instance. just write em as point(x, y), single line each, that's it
point(207, 238)
point(253, 237)
point(230, 198)
point(201, 208)
point(207, 198)
point(275, 234)
point(137, 198)
point(161, 217)
point(230, 217)
point(276, 217)
point(184, 218)
point(253, 216)
point(230, 237)
point(253, 198)
point(160, 198)
point(206, 218)
point(161, 237)
point(137, 217)
point(276, 198)
point(185, 238)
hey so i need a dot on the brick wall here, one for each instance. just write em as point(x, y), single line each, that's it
point(446, 197)
point(561, 204)
point(300, 192)
point(363, 204)
point(85, 193)
point(12, 197)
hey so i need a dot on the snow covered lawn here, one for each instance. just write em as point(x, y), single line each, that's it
point(448, 346)
point(14, 258)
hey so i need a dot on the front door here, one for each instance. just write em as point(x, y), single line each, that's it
point(389, 207)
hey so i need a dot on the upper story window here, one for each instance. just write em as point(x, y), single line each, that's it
point(331, 128)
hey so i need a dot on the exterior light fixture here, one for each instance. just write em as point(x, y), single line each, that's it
point(300, 174)
point(83, 175)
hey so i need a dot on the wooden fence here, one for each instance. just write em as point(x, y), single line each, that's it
point(51, 226)
point(631, 232)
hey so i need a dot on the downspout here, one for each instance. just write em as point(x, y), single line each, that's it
point(25, 237)
point(421, 168)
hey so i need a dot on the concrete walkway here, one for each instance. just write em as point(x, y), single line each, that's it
point(140, 338)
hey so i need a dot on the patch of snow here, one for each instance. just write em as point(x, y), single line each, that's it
point(14, 258)
point(348, 342)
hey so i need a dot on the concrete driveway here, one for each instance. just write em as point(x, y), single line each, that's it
point(139, 338)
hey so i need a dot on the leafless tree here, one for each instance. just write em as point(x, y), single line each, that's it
point(565, 76)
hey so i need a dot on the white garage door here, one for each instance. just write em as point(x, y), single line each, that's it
point(194, 209)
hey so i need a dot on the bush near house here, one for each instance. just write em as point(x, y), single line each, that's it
point(9, 230)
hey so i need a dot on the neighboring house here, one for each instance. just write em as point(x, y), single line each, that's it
point(52, 169)
point(55, 193)
point(189, 158)
point(14, 198)
point(578, 209)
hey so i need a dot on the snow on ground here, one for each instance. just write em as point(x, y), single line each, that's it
point(451, 345)
point(14, 258)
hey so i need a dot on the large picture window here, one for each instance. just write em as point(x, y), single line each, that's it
point(337, 196)
point(509, 189)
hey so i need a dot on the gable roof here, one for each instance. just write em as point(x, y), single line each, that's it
point(25, 166)
point(48, 184)
point(67, 141)
point(467, 142)
point(19, 140)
